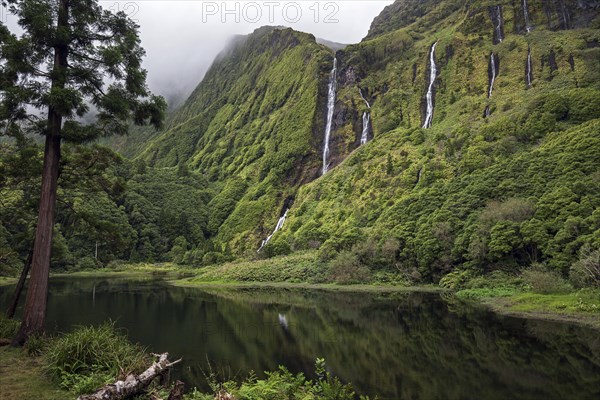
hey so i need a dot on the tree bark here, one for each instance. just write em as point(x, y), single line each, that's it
point(34, 315)
point(132, 385)
point(10, 313)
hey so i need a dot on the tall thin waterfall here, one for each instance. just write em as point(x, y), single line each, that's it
point(330, 108)
point(493, 74)
point(496, 17)
point(432, 76)
point(526, 16)
point(366, 120)
point(529, 69)
point(277, 227)
point(363, 97)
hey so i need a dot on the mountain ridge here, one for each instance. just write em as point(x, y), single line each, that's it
point(508, 77)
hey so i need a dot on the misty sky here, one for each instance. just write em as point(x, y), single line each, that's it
point(182, 38)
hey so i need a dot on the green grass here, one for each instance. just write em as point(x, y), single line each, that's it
point(298, 268)
point(5, 281)
point(22, 377)
point(90, 357)
point(582, 301)
point(486, 292)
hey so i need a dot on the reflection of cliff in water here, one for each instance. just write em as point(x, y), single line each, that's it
point(398, 346)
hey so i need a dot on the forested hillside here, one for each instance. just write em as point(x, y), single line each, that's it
point(463, 135)
point(507, 174)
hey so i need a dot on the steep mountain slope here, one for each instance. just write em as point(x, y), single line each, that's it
point(463, 134)
point(252, 129)
point(507, 173)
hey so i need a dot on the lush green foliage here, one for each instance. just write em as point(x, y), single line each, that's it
point(90, 357)
point(8, 327)
point(281, 384)
point(296, 268)
point(470, 194)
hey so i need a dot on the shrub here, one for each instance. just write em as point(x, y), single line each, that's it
point(89, 357)
point(8, 327)
point(586, 271)
point(36, 345)
point(277, 248)
point(346, 269)
point(281, 384)
point(116, 265)
point(327, 252)
point(88, 263)
point(545, 282)
point(456, 279)
point(495, 280)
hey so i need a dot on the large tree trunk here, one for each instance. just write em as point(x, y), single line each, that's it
point(10, 313)
point(34, 315)
point(132, 385)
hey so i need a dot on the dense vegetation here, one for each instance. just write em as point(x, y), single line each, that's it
point(89, 357)
point(473, 193)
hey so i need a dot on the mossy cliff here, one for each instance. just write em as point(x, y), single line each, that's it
point(506, 175)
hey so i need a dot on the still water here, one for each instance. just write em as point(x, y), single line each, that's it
point(394, 345)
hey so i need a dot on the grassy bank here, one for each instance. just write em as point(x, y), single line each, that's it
point(21, 377)
point(535, 293)
point(87, 358)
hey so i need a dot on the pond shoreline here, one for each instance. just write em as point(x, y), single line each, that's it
point(505, 306)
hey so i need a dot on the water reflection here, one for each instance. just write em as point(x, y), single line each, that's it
point(397, 346)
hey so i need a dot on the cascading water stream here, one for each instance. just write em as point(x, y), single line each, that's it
point(277, 227)
point(363, 97)
point(366, 119)
point(330, 109)
point(496, 17)
point(493, 74)
point(432, 76)
point(529, 70)
point(499, 23)
point(526, 16)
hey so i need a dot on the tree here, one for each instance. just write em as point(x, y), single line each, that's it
point(72, 57)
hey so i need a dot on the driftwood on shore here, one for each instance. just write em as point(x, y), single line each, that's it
point(132, 385)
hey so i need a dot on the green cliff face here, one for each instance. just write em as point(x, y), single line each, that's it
point(251, 128)
point(498, 180)
point(507, 173)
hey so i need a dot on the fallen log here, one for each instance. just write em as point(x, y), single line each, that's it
point(132, 385)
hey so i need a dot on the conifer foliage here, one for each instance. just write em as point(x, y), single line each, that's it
point(73, 62)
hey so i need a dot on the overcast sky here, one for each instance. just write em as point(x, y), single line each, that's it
point(182, 38)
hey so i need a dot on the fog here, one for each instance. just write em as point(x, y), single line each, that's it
point(182, 38)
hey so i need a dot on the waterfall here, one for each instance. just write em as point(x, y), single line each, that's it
point(330, 108)
point(366, 118)
point(487, 112)
point(363, 97)
point(526, 16)
point(496, 16)
point(432, 76)
point(529, 70)
point(277, 227)
point(499, 23)
point(493, 74)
